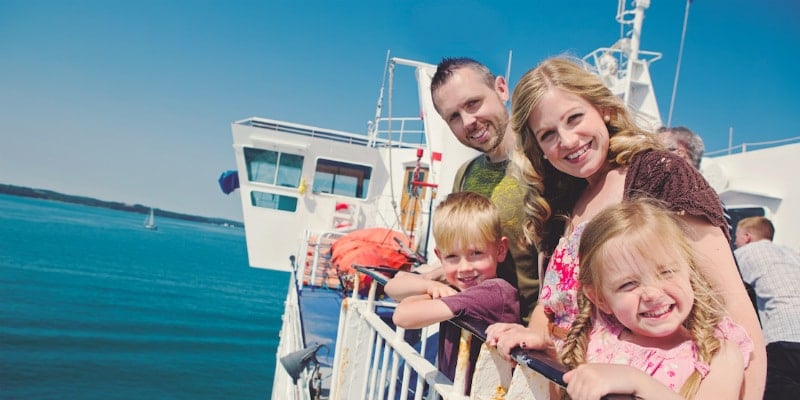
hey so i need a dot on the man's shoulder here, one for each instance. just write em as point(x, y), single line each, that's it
point(762, 246)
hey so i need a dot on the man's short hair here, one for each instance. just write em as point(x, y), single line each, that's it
point(691, 141)
point(446, 68)
point(760, 227)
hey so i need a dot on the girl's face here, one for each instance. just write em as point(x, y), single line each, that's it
point(468, 266)
point(651, 299)
point(571, 133)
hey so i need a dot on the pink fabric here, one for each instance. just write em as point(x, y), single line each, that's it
point(671, 367)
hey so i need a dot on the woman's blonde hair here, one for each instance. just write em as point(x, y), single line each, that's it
point(645, 228)
point(464, 218)
point(551, 192)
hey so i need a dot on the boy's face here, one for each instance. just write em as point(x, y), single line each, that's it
point(468, 265)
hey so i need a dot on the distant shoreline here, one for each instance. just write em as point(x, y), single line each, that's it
point(114, 205)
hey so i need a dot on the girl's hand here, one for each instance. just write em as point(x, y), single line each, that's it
point(591, 381)
point(596, 381)
point(438, 290)
point(506, 337)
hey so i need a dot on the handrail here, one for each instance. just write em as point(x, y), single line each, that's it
point(744, 147)
point(538, 361)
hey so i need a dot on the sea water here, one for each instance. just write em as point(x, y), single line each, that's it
point(94, 306)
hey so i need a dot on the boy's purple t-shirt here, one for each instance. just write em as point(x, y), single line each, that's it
point(493, 300)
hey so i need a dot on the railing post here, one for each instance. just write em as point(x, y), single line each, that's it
point(527, 384)
point(462, 362)
point(492, 376)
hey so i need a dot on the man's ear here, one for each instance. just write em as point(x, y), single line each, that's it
point(596, 299)
point(501, 87)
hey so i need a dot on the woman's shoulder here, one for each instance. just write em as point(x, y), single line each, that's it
point(648, 161)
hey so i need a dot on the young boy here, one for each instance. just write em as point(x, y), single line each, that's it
point(469, 244)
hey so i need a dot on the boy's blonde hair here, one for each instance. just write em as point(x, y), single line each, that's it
point(466, 218)
point(642, 227)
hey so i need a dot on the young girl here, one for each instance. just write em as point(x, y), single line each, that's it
point(644, 306)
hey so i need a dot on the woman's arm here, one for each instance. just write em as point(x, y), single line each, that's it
point(420, 311)
point(505, 337)
point(726, 368)
point(719, 268)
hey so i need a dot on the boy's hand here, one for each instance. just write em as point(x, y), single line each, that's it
point(438, 290)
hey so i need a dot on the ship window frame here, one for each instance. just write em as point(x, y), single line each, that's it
point(273, 201)
point(356, 177)
point(280, 168)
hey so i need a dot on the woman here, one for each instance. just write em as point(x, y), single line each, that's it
point(579, 151)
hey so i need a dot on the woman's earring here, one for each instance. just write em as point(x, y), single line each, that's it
point(607, 118)
point(544, 156)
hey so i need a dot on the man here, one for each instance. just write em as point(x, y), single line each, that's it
point(471, 100)
point(683, 142)
point(774, 272)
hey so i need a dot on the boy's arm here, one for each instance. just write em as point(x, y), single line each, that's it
point(419, 311)
point(406, 284)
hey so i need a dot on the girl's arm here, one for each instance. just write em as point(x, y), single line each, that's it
point(595, 381)
point(726, 368)
point(719, 268)
point(407, 284)
point(420, 311)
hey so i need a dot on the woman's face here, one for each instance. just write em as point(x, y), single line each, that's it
point(571, 133)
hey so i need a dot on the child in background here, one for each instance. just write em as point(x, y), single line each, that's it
point(469, 244)
point(644, 306)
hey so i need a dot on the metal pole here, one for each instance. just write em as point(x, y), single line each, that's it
point(678, 67)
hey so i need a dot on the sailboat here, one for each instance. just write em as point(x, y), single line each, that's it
point(150, 221)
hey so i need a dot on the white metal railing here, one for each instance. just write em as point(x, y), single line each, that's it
point(370, 355)
point(400, 131)
point(745, 147)
point(291, 339)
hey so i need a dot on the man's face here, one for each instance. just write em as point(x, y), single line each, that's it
point(474, 111)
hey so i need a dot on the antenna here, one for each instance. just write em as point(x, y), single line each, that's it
point(508, 68)
point(508, 72)
point(678, 67)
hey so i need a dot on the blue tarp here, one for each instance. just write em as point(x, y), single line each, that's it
point(229, 181)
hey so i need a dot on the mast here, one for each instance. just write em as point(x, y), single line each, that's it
point(625, 68)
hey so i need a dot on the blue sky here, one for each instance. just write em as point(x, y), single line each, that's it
point(132, 100)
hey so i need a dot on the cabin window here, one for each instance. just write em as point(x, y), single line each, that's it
point(273, 201)
point(341, 178)
point(273, 167)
